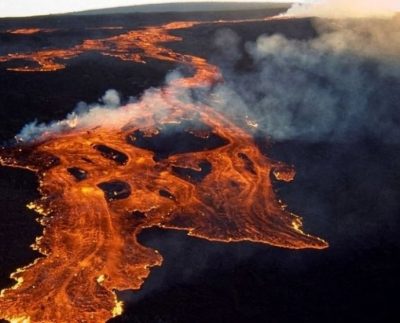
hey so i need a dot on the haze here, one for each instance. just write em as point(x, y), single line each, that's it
point(24, 8)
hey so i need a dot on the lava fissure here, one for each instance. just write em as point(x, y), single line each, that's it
point(101, 186)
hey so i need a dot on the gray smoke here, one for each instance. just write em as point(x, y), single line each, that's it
point(339, 86)
point(345, 8)
point(107, 113)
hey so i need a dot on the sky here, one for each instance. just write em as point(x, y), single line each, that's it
point(23, 8)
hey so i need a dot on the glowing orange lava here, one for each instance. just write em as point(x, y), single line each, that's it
point(29, 31)
point(170, 163)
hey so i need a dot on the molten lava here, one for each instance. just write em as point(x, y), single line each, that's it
point(29, 31)
point(170, 163)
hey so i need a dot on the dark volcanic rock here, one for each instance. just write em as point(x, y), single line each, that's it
point(171, 139)
point(78, 173)
point(167, 194)
point(348, 194)
point(119, 157)
point(192, 175)
point(115, 190)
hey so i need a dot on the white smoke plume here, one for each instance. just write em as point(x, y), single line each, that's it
point(346, 9)
point(340, 85)
point(108, 113)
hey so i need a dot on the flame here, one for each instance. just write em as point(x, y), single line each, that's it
point(100, 188)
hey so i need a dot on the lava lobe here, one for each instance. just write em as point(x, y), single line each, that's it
point(202, 174)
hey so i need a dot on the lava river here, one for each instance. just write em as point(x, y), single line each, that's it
point(168, 162)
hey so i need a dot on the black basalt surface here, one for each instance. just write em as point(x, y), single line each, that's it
point(193, 175)
point(115, 190)
point(347, 193)
point(78, 173)
point(174, 138)
point(117, 156)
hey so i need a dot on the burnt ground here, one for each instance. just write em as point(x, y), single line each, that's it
point(347, 194)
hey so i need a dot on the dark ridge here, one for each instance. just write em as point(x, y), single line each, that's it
point(112, 154)
point(172, 139)
point(248, 163)
point(167, 194)
point(115, 190)
point(192, 175)
point(78, 173)
point(187, 7)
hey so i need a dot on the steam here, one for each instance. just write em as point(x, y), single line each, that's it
point(108, 113)
point(346, 9)
point(341, 86)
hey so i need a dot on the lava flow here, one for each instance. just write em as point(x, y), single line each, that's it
point(29, 31)
point(165, 162)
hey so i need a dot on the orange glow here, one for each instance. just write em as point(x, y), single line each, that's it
point(137, 46)
point(90, 235)
point(29, 31)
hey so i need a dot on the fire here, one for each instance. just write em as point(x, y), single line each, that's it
point(170, 164)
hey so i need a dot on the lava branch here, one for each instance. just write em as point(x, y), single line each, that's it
point(170, 164)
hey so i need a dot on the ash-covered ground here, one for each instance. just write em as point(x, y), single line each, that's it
point(347, 190)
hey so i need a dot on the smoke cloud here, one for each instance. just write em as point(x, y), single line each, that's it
point(108, 113)
point(340, 86)
point(346, 9)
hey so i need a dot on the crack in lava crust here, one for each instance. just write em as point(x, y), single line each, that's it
point(100, 189)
